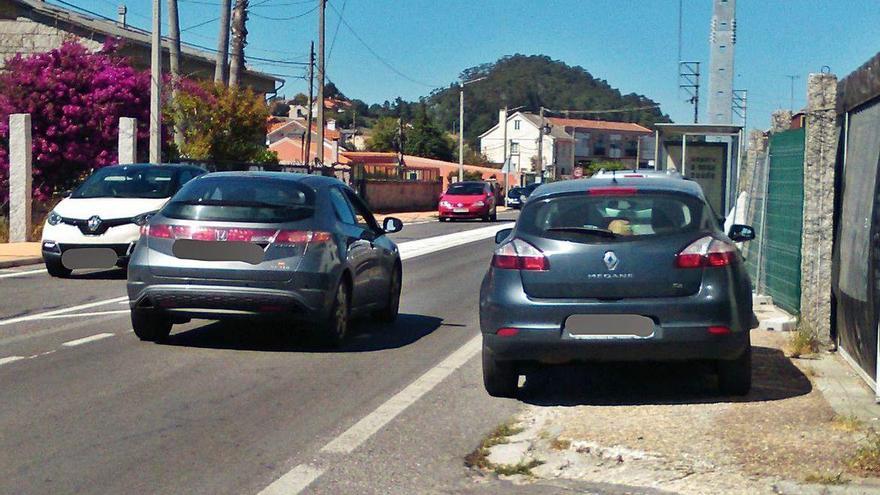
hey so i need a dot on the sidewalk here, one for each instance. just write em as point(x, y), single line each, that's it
point(19, 253)
point(410, 217)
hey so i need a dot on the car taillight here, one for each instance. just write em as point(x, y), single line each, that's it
point(520, 255)
point(612, 191)
point(706, 252)
point(236, 234)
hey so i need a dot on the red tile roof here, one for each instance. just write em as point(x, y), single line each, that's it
point(291, 151)
point(599, 125)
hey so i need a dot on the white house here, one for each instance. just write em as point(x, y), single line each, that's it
point(523, 131)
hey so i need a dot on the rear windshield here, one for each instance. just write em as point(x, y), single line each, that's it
point(126, 182)
point(466, 189)
point(238, 199)
point(585, 218)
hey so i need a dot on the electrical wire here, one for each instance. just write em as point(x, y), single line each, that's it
point(297, 16)
point(335, 31)
point(375, 54)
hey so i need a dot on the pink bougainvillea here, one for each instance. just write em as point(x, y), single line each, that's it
point(75, 98)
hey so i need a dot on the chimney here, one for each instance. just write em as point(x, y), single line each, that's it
point(501, 114)
point(120, 15)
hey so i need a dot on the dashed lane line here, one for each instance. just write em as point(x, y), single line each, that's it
point(93, 313)
point(294, 481)
point(86, 340)
point(11, 359)
point(21, 274)
point(38, 316)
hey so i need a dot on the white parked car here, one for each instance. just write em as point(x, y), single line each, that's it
point(98, 225)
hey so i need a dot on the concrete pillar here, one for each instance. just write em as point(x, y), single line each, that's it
point(127, 140)
point(756, 149)
point(820, 154)
point(20, 177)
point(780, 121)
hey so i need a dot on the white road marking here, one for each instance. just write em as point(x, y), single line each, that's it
point(21, 274)
point(94, 313)
point(39, 316)
point(86, 340)
point(10, 359)
point(295, 481)
point(365, 428)
point(411, 249)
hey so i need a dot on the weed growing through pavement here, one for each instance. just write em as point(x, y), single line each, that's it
point(848, 423)
point(867, 456)
point(803, 341)
point(523, 468)
point(560, 444)
point(479, 458)
point(826, 479)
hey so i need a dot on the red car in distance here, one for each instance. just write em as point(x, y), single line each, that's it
point(468, 199)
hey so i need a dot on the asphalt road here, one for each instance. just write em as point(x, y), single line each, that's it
point(246, 409)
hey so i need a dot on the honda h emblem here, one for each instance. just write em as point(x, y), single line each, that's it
point(611, 260)
point(221, 234)
point(94, 223)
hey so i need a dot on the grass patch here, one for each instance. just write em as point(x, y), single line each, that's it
point(867, 456)
point(560, 444)
point(479, 458)
point(826, 479)
point(523, 468)
point(848, 423)
point(803, 341)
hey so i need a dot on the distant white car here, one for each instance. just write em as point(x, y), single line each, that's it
point(98, 225)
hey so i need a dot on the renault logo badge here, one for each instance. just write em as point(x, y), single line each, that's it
point(611, 260)
point(94, 223)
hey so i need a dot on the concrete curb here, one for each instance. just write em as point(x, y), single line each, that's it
point(27, 260)
point(770, 317)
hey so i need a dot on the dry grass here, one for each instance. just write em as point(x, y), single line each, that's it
point(803, 341)
point(826, 479)
point(560, 444)
point(848, 423)
point(479, 457)
point(4, 229)
point(523, 468)
point(867, 456)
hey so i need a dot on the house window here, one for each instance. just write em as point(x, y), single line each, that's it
point(516, 125)
point(514, 148)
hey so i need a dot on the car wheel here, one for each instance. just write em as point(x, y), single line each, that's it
point(735, 375)
point(150, 326)
point(494, 216)
point(499, 377)
point(334, 329)
point(389, 313)
point(443, 219)
point(57, 269)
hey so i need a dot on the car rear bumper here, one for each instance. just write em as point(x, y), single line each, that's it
point(220, 302)
point(471, 213)
point(680, 324)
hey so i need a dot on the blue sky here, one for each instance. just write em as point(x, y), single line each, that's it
point(630, 43)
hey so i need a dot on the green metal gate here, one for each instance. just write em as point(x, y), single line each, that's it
point(784, 219)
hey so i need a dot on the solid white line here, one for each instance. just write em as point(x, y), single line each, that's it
point(94, 313)
point(86, 340)
point(38, 316)
point(295, 481)
point(21, 274)
point(10, 359)
point(348, 441)
point(428, 245)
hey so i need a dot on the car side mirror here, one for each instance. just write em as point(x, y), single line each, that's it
point(741, 233)
point(68, 193)
point(391, 225)
point(501, 235)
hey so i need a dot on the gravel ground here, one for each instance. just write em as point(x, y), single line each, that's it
point(665, 426)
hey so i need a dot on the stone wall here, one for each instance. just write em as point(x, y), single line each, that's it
point(819, 163)
point(22, 35)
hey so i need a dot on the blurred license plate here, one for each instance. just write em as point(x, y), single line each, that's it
point(89, 258)
point(609, 326)
point(218, 251)
point(460, 210)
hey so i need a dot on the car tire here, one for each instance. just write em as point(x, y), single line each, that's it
point(500, 378)
point(149, 326)
point(494, 216)
point(57, 269)
point(443, 219)
point(735, 375)
point(334, 329)
point(389, 313)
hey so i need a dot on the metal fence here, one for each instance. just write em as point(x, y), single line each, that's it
point(776, 211)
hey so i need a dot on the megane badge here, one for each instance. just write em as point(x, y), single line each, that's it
point(611, 260)
point(94, 223)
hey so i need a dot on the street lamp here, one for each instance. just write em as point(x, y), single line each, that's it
point(461, 126)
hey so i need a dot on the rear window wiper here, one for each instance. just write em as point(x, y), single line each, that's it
point(584, 230)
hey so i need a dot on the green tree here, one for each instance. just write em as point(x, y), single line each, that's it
point(426, 139)
point(383, 135)
point(221, 124)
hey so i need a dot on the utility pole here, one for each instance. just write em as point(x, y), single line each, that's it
point(461, 133)
point(174, 59)
point(308, 149)
point(400, 147)
point(540, 167)
point(322, 4)
point(689, 80)
point(792, 77)
point(156, 85)
point(504, 155)
point(223, 43)
point(239, 40)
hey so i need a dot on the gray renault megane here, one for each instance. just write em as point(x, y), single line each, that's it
point(608, 269)
point(262, 244)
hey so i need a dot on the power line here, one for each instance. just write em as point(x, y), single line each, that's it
point(613, 110)
point(297, 16)
point(335, 31)
point(375, 54)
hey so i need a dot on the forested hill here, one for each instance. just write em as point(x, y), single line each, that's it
point(535, 81)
